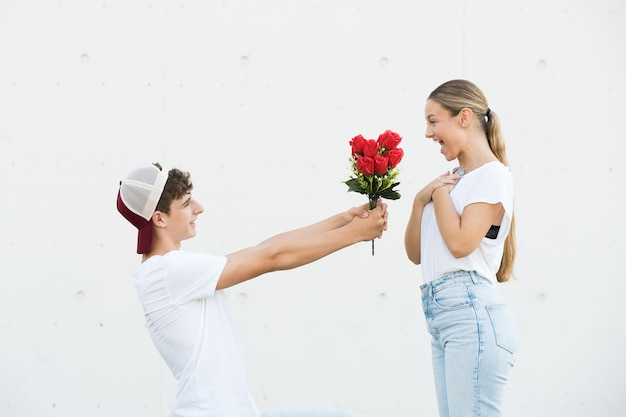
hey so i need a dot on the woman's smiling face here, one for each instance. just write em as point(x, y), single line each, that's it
point(443, 129)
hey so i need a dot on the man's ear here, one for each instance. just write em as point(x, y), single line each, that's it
point(159, 219)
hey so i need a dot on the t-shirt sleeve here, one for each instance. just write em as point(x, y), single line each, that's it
point(494, 186)
point(193, 276)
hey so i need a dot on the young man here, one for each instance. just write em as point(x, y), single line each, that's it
point(187, 314)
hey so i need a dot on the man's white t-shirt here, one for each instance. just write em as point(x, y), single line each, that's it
point(192, 327)
point(491, 183)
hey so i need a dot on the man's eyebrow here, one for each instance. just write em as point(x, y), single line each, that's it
point(187, 201)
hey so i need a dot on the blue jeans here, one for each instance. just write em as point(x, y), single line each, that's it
point(474, 340)
point(306, 412)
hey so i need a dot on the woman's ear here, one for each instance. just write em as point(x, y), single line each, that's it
point(465, 116)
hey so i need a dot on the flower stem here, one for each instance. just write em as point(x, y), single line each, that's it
point(373, 201)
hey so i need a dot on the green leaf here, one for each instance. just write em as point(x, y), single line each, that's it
point(390, 195)
point(354, 185)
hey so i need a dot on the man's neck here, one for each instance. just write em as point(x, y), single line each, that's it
point(160, 248)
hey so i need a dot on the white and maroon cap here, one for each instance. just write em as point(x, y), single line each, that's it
point(137, 199)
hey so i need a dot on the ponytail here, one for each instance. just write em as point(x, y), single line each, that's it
point(496, 143)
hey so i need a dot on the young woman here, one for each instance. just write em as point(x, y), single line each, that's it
point(461, 231)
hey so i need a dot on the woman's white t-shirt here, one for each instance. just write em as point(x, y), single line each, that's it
point(491, 183)
point(191, 326)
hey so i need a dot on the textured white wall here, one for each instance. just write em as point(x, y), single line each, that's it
point(258, 99)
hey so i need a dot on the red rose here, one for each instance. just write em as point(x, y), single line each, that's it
point(370, 148)
point(381, 165)
point(394, 156)
point(365, 164)
point(357, 143)
point(389, 140)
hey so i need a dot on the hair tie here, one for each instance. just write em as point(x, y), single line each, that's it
point(488, 112)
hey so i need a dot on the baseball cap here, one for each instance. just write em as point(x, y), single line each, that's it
point(137, 199)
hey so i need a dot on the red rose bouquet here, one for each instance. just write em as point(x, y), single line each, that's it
point(375, 167)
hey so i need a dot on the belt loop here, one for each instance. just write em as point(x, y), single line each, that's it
point(426, 290)
point(474, 276)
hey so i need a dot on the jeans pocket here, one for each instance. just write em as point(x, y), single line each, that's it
point(453, 297)
point(504, 326)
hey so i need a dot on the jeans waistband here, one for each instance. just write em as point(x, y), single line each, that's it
point(453, 278)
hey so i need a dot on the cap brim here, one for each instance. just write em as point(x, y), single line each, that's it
point(144, 237)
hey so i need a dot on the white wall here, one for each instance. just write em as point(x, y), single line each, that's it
point(258, 99)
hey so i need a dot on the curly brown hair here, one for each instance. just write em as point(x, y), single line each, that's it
point(177, 185)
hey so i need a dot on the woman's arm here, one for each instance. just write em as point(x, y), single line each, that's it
point(412, 235)
point(462, 234)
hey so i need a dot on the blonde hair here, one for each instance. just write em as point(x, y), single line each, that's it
point(456, 95)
